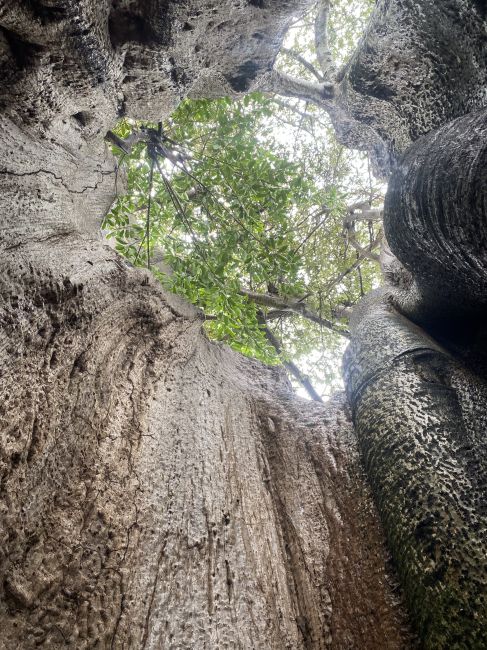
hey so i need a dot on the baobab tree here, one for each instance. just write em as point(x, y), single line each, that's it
point(159, 491)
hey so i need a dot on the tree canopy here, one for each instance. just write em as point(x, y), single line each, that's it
point(251, 210)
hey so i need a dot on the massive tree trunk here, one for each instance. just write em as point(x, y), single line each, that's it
point(157, 490)
point(416, 367)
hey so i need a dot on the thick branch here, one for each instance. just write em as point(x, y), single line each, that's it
point(372, 214)
point(278, 313)
point(288, 86)
point(293, 306)
point(322, 44)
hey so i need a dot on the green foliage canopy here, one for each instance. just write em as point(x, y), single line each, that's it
point(239, 206)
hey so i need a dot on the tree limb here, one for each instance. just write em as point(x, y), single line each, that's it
point(372, 214)
point(273, 314)
point(300, 59)
point(365, 253)
point(292, 367)
point(360, 259)
point(314, 117)
point(293, 306)
point(322, 44)
point(284, 84)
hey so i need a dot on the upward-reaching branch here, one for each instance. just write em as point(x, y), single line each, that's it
point(288, 86)
point(322, 41)
point(321, 94)
point(302, 61)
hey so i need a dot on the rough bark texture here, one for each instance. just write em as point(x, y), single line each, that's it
point(416, 365)
point(160, 491)
point(435, 223)
point(420, 419)
point(156, 490)
point(420, 64)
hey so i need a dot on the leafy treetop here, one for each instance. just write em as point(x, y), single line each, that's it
point(252, 211)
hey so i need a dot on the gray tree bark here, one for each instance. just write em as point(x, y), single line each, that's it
point(419, 65)
point(415, 369)
point(156, 490)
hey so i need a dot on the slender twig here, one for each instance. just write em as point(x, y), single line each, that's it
point(147, 220)
point(180, 210)
point(326, 212)
point(230, 213)
point(360, 260)
point(361, 283)
point(294, 109)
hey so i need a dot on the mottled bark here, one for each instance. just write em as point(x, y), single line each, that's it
point(420, 418)
point(416, 371)
point(156, 490)
point(419, 64)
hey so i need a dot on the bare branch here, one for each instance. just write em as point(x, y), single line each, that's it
point(288, 86)
point(293, 125)
point(372, 214)
point(293, 306)
point(278, 313)
point(300, 59)
point(292, 367)
point(360, 259)
point(326, 212)
point(314, 117)
point(322, 44)
point(365, 253)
